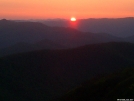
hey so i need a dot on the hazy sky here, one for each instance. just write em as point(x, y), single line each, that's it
point(42, 9)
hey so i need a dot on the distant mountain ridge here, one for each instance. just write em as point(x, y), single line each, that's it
point(120, 27)
point(32, 33)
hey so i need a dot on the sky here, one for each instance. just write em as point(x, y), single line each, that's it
point(64, 9)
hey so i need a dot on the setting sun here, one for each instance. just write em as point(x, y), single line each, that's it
point(73, 19)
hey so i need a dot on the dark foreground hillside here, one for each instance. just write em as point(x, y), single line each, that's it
point(119, 85)
point(48, 74)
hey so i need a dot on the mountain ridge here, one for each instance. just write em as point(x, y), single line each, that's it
point(48, 74)
point(120, 27)
point(33, 33)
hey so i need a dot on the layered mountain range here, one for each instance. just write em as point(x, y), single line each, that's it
point(44, 62)
point(16, 37)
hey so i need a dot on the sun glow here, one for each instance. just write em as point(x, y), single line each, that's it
point(73, 19)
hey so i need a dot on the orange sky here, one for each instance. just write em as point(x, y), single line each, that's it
point(43, 9)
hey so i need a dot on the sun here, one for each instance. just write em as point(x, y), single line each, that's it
point(73, 19)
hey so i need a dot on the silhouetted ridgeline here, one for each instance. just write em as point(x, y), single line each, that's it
point(18, 37)
point(47, 74)
point(121, 27)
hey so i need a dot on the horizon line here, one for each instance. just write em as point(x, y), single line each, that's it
point(68, 18)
